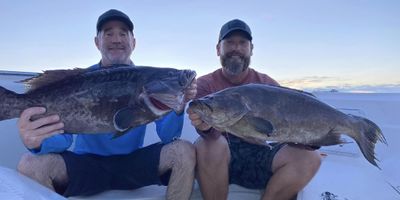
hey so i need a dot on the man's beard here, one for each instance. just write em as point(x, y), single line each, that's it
point(235, 65)
point(117, 58)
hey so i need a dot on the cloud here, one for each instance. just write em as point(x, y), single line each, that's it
point(379, 88)
point(328, 83)
point(309, 80)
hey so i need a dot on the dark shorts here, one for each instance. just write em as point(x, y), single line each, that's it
point(250, 164)
point(90, 174)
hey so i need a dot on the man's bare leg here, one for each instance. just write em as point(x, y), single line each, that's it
point(49, 170)
point(213, 156)
point(292, 169)
point(180, 157)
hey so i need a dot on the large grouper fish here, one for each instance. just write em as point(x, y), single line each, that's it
point(258, 113)
point(109, 99)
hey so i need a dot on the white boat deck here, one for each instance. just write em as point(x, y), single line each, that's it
point(344, 173)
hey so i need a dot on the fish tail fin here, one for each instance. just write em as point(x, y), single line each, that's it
point(368, 135)
point(9, 104)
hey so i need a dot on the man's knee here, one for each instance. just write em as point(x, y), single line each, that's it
point(308, 161)
point(178, 154)
point(187, 152)
point(215, 153)
point(51, 165)
point(314, 158)
point(28, 164)
point(216, 147)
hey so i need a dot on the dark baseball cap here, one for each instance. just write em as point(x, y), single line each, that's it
point(114, 15)
point(234, 25)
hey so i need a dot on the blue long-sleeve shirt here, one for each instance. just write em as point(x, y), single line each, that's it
point(168, 128)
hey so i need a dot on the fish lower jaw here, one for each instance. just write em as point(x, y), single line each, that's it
point(169, 102)
point(154, 109)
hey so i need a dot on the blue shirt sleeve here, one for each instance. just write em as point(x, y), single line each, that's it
point(54, 144)
point(170, 127)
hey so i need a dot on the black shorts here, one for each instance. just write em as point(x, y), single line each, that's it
point(250, 164)
point(89, 174)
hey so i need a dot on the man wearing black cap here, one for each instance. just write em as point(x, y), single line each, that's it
point(98, 162)
point(282, 171)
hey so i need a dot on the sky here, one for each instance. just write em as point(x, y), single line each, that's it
point(349, 45)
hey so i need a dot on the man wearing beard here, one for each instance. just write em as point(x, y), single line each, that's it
point(224, 159)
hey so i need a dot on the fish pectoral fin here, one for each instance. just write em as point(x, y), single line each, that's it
point(123, 119)
point(260, 125)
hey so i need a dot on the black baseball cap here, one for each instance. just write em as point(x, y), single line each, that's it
point(114, 14)
point(234, 25)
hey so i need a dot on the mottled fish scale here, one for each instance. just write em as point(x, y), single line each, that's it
point(92, 101)
point(271, 113)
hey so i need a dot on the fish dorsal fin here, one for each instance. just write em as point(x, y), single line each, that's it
point(295, 90)
point(50, 77)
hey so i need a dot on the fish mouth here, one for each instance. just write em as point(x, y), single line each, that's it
point(199, 106)
point(203, 109)
point(169, 101)
point(213, 115)
point(160, 104)
point(165, 97)
point(161, 97)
